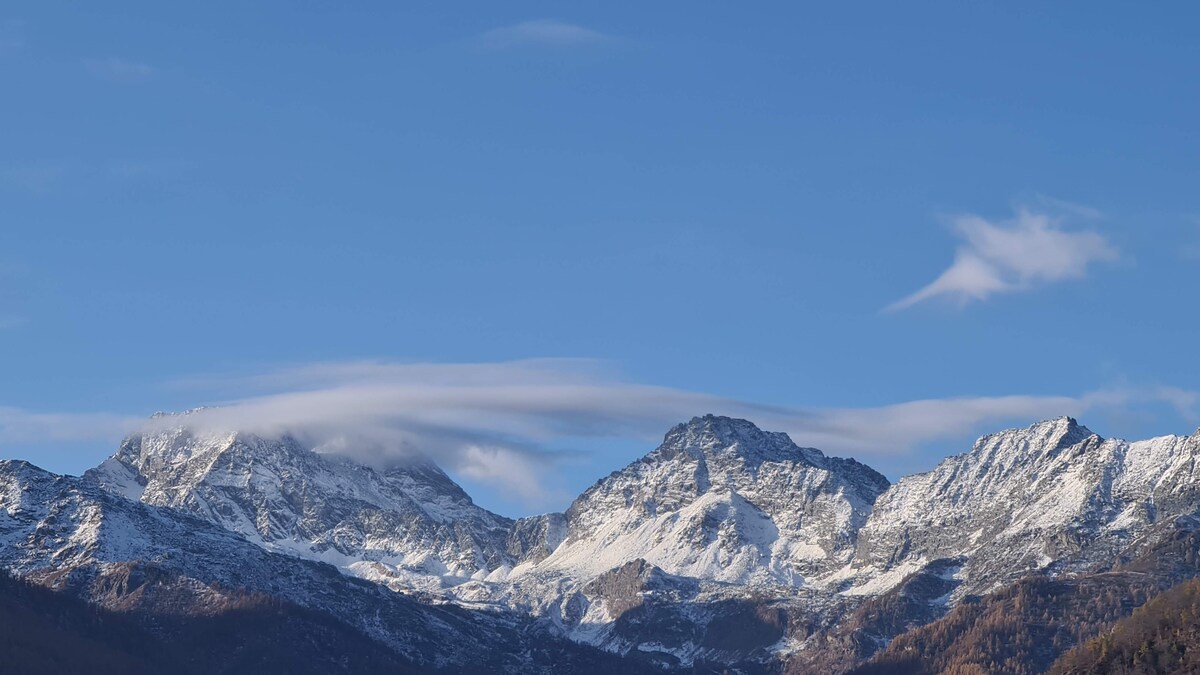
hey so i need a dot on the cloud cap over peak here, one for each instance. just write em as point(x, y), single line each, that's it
point(514, 426)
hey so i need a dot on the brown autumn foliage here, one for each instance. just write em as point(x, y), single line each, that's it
point(1160, 638)
point(1020, 630)
point(1026, 627)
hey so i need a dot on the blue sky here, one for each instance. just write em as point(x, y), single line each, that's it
point(795, 214)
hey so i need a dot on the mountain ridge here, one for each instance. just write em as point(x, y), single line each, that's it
point(722, 527)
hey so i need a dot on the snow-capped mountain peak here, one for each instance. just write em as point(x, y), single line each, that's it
point(715, 437)
point(1052, 496)
point(720, 499)
point(721, 524)
point(410, 523)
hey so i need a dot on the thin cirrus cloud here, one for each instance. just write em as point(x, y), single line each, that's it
point(543, 32)
point(1031, 250)
point(45, 177)
point(37, 178)
point(21, 426)
point(510, 424)
point(115, 69)
point(1191, 249)
point(12, 34)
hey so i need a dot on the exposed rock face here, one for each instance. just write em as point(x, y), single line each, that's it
point(532, 539)
point(1054, 497)
point(409, 523)
point(712, 527)
point(721, 500)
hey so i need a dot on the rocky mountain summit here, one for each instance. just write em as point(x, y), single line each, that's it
point(722, 500)
point(409, 523)
point(1054, 498)
point(725, 547)
point(699, 531)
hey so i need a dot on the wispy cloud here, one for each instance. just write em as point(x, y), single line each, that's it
point(34, 178)
point(119, 70)
point(10, 299)
point(506, 424)
point(12, 34)
point(1030, 250)
point(18, 425)
point(136, 169)
point(42, 177)
point(1190, 250)
point(544, 32)
point(546, 401)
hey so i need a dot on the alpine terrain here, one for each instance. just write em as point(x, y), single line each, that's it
point(726, 548)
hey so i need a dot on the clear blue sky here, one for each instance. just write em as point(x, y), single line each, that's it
point(708, 197)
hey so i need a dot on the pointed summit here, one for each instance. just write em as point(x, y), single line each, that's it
point(719, 428)
point(1059, 431)
point(1020, 500)
point(722, 500)
point(1020, 450)
point(712, 436)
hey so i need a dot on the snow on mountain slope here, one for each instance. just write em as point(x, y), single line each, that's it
point(70, 534)
point(721, 500)
point(1052, 497)
point(410, 524)
point(696, 533)
point(722, 527)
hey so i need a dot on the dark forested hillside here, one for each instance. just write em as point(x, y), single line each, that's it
point(1024, 628)
point(1160, 638)
point(45, 632)
point(42, 631)
point(1018, 631)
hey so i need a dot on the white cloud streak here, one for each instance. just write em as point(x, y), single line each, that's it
point(1190, 249)
point(19, 426)
point(512, 424)
point(543, 32)
point(36, 178)
point(46, 177)
point(12, 34)
point(1028, 251)
point(119, 70)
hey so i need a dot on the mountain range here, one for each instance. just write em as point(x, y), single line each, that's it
point(726, 548)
